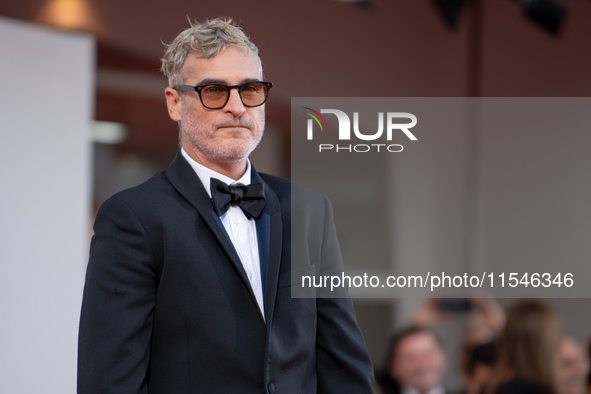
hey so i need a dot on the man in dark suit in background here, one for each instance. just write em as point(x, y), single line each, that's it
point(188, 283)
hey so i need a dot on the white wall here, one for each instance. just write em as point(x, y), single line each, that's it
point(45, 110)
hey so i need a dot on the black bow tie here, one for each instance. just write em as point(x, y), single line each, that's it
point(251, 199)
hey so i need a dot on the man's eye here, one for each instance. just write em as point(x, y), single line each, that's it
point(250, 88)
point(213, 89)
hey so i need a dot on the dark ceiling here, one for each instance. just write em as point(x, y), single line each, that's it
point(328, 47)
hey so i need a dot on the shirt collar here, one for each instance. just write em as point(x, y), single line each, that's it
point(205, 174)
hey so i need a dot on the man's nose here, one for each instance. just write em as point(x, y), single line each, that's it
point(234, 104)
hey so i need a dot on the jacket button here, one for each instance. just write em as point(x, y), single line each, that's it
point(271, 388)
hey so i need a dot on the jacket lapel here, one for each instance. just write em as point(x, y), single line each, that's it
point(270, 236)
point(263, 227)
point(188, 184)
point(269, 227)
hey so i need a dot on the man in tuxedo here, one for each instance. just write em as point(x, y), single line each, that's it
point(188, 285)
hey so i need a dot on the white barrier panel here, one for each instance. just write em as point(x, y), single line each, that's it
point(47, 81)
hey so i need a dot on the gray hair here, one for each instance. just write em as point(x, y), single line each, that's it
point(206, 40)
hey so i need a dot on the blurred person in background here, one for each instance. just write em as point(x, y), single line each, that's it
point(415, 364)
point(416, 360)
point(484, 322)
point(528, 358)
point(478, 364)
point(483, 319)
point(573, 367)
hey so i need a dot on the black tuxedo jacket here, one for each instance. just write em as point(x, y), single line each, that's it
point(167, 307)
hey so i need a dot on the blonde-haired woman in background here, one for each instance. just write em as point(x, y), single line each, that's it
point(528, 358)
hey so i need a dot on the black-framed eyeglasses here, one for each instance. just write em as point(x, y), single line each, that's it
point(216, 95)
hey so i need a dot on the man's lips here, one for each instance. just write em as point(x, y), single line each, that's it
point(235, 126)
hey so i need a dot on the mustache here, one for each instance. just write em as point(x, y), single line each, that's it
point(244, 122)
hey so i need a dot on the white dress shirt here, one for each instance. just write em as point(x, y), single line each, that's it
point(241, 230)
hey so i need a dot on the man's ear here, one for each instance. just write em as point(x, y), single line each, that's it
point(174, 104)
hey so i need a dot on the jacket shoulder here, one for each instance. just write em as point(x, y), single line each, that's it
point(144, 198)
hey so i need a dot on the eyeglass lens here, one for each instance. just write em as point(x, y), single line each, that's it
point(252, 94)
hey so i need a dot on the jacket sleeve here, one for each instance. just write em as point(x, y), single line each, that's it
point(343, 362)
point(118, 303)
